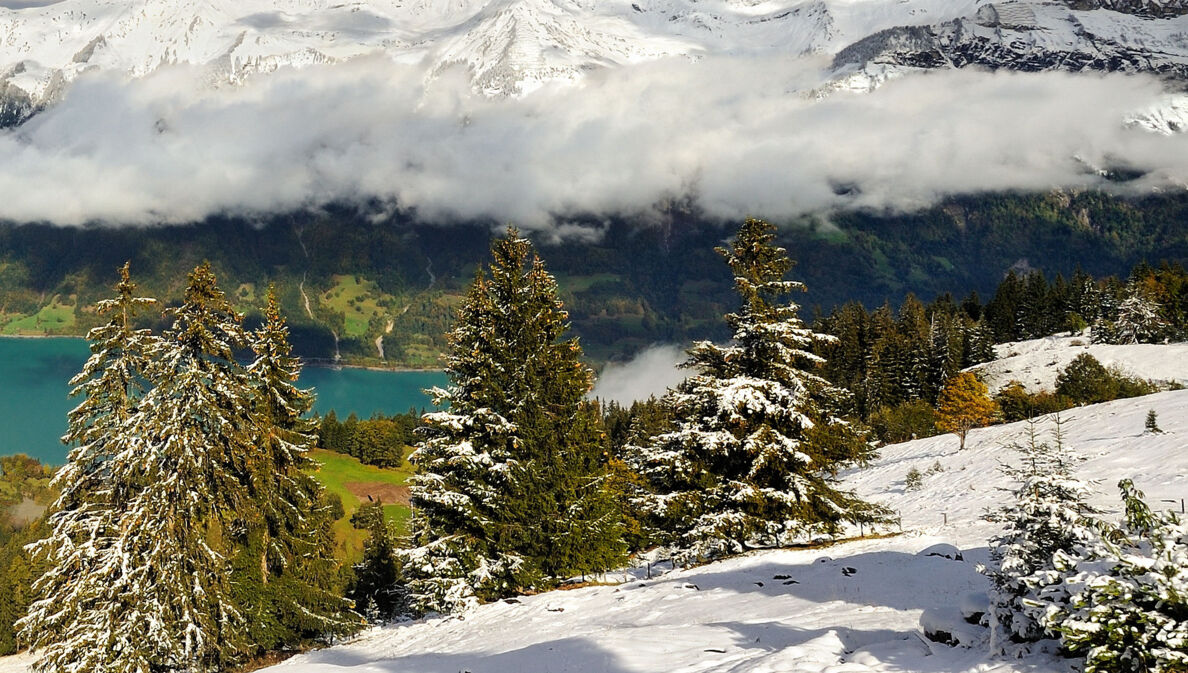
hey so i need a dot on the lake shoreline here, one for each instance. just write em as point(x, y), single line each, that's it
point(319, 363)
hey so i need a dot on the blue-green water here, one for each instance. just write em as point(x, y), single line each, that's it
point(33, 393)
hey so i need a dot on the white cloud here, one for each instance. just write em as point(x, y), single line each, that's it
point(736, 133)
point(651, 372)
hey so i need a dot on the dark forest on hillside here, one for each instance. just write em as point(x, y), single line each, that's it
point(628, 285)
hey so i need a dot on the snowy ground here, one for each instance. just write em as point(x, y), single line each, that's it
point(1037, 362)
point(18, 664)
point(854, 607)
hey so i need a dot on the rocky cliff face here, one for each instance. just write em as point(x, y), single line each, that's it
point(1129, 36)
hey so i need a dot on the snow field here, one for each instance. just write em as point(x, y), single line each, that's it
point(846, 609)
point(1037, 363)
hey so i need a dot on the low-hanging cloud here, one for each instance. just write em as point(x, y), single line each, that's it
point(650, 373)
point(737, 135)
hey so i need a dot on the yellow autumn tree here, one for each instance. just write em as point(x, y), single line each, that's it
point(964, 404)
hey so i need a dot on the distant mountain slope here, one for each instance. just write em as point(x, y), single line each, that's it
point(1032, 36)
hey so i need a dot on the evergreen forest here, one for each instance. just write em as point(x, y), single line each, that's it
point(384, 290)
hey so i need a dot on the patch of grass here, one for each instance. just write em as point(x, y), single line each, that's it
point(245, 297)
point(357, 299)
point(335, 471)
point(54, 317)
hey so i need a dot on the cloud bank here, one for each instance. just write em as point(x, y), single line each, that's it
point(651, 372)
point(737, 135)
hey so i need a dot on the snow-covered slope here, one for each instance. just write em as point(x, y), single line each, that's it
point(514, 46)
point(1036, 363)
point(850, 608)
point(16, 664)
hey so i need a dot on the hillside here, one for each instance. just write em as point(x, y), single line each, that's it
point(1037, 362)
point(346, 280)
point(852, 608)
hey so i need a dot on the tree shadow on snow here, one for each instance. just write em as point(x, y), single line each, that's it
point(892, 579)
point(566, 655)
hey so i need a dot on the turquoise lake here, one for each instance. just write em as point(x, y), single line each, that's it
point(34, 393)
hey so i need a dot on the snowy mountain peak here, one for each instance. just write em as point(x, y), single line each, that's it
point(516, 46)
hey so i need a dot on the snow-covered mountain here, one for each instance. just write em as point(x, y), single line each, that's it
point(858, 607)
point(1114, 36)
point(514, 46)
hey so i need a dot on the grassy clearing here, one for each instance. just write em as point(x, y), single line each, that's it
point(346, 477)
point(245, 298)
point(56, 316)
point(357, 300)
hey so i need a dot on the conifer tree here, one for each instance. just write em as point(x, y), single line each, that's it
point(71, 622)
point(180, 471)
point(1138, 319)
point(377, 591)
point(1152, 423)
point(286, 579)
point(513, 490)
point(1048, 514)
point(979, 344)
point(1129, 612)
point(946, 347)
point(965, 404)
point(915, 337)
point(752, 458)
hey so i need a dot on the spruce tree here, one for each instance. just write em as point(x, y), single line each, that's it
point(1048, 514)
point(1138, 319)
point(1152, 423)
point(71, 623)
point(513, 489)
point(187, 449)
point(287, 580)
point(377, 592)
point(1129, 612)
point(752, 459)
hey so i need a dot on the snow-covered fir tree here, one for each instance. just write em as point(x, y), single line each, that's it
point(513, 489)
point(70, 625)
point(1129, 610)
point(1047, 515)
point(186, 534)
point(979, 343)
point(752, 459)
point(947, 339)
point(181, 478)
point(1138, 319)
point(286, 578)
